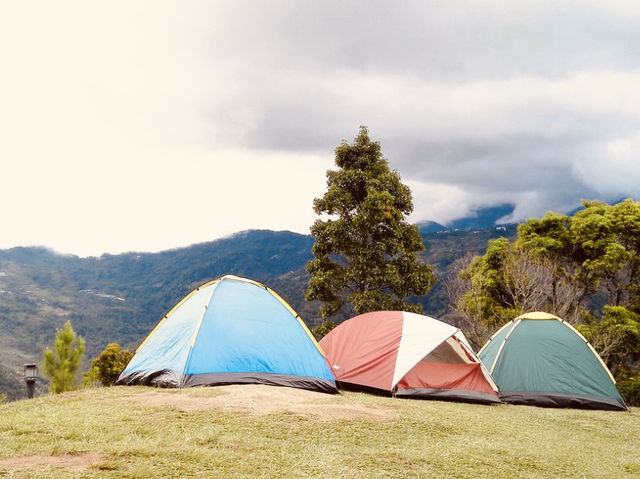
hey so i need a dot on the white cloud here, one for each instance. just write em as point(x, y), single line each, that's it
point(438, 202)
point(616, 170)
point(161, 202)
point(122, 122)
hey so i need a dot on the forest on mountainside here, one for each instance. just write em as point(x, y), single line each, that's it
point(119, 298)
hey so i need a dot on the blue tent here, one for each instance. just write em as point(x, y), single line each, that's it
point(230, 331)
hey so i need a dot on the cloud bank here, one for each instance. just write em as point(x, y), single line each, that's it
point(153, 125)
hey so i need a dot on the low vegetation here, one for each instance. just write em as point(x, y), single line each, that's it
point(107, 366)
point(119, 433)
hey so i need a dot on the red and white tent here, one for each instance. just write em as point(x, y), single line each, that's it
point(407, 355)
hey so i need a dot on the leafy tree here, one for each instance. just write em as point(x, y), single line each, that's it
point(108, 365)
point(321, 330)
point(629, 386)
point(602, 257)
point(549, 238)
point(466, 312)
point(511, 279)
point(624, 284)
point(484, 300)
point(366, 254)
point(61, 363)
point(615, 336)
point(557, 263)
point(566, 265)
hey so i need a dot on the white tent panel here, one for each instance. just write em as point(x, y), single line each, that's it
point(420, 335)
point(463, 340)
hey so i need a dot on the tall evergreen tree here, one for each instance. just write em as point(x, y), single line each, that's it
point(61, 363)
point(366, 254)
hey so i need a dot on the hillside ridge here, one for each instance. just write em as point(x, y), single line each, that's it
point(119, 298)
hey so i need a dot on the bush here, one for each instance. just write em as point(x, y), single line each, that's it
point(108, 365)
point(630, 390)
point(91, 378)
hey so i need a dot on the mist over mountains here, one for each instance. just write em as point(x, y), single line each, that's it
point(482, 218)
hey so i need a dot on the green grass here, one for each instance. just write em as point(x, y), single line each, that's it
point(422, 439)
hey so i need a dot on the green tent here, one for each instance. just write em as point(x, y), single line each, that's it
point(539, 359)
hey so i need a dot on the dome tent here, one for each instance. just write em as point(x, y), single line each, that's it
point(407, 355)
point(539, 359)
point(230, 331)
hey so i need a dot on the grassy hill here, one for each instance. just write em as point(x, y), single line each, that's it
point(271, 432)
point(121, 297)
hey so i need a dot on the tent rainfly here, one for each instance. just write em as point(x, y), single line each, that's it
point(230, 331)
point(407, 355)
point(539, 359)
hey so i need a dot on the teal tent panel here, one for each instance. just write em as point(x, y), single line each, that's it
point(546, 356)
point(488, 353)
point(167, 348)
point(247, 329)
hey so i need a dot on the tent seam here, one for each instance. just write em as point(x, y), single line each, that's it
point(484, 346)
point(504, 341)
point(195, 334)
point(166, 316)
point(604, 366)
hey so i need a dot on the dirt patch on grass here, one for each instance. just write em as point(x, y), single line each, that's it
point(68, 462)
point(258, 399)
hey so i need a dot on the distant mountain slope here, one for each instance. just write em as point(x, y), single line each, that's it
point(427, 227)
point(482, 218)
point(121, 297)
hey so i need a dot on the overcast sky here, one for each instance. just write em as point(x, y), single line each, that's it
point(142, 126)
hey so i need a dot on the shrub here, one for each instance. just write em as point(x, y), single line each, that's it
point(108, 365)
point(630, 390)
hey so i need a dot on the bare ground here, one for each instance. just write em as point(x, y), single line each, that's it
point(253, 399)
point(258, 399)
point(68, 462)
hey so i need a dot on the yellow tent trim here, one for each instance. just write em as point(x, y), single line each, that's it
point(539, 315)
point(234, 278)
point(195, 334)
point(283, 302)
point(164, 318)
point(593, 350)
point(298, 318)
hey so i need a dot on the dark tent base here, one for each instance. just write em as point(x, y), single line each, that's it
point(457, 395)
point(271, 379)
point(164, 378)
point(563, 401)
point(422, 393)
point(359, 388)
point(167, 378)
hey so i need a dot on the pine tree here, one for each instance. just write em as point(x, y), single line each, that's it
point(62, 363)
point(366, 254)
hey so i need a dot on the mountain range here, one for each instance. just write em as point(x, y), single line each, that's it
point(479, 219)
point(119, 298)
